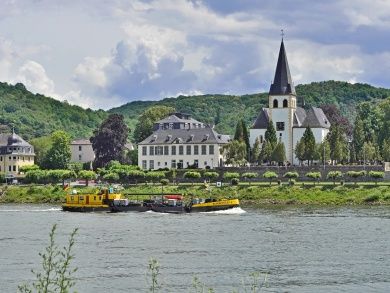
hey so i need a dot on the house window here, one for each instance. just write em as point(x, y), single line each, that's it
point(275, 103)
point(173, 152)
point(151, 151)
point(211, 150)
point(9, 168)
point(144, 164)
point(144, 150)
point(14, 168)
point(188, 150)
point(79, 157)
point(196, 150)
point(204, 150)
point(159, 150)
point(181, 150)
point(166, 150)
point(285, 103)
point(1, 158)
point(180, 164)
point(158, 164)
point(80, 148)
point(151, 164)
point(14, 158)
point(173, 164)
point(280, 126)
point(196, 164)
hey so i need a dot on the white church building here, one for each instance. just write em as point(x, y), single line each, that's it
point(290, 121)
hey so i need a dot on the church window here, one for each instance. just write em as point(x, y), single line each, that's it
point(285, 103)
point(275, 103)
point(280, 126)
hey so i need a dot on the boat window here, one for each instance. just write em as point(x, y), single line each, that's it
point(72, 198)
point(94, 198)
point(100, 198)
point(81, 197)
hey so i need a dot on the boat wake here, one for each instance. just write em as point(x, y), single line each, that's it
point(31, 210)
point(232, 211)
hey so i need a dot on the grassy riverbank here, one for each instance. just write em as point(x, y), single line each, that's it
point(249, 195)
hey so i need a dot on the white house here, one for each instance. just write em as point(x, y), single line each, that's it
point(290, 121)
point(179, 141)
point(81, 150)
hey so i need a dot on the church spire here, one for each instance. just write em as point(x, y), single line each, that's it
point(282, 84)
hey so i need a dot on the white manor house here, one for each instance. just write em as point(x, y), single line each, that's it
point(290, 121)
point(179, 141)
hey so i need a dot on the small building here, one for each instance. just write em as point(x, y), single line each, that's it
point(15, 153)
point(82, 151)
point(179, 141)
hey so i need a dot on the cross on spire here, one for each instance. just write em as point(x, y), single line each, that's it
point(282, 33)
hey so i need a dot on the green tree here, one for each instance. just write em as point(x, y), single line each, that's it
point(279, 153)
point(337, 143)
point(241, 134)
point(376, 175)
point(111, 177)
point(109, 140)
point(249, 175)
point(355, 174)
point(235, 153)
point(58, 156)
point(231, 176)
point(256, 151)
point(334, 175)
point(270, 134)
point(146, 120)
point(386, 150)
point(358, 138)
point(300, 151)
point(154, 176)
point(369, 152)
point(266, 152)
point(309, 143)
point(41, 146)
point(87, 176)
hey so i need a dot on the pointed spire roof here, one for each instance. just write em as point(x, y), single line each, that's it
point(282, 84)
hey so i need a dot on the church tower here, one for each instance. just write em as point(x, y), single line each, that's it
point(283, 103)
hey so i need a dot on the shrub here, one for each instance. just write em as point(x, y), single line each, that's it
point(376, 175)
point(164, 182)
point(154, 175)
point(371, 198)
point(211, 175)
point(87, 175)
point(292, 182)
point(314, 175)
point(230, 175)
point(270, 176)
point(334, 175)
point(356, 174)
point(111, 177)
point(28, 168)
point(193, 175)
point(235, 181)
point(291, 175)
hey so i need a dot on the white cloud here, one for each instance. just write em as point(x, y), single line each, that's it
point(34, 77)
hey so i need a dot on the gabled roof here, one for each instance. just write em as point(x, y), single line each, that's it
point(282, 84)
point(315, 118)
point(186, 136)
point(174, 118)
point(262, 119)
point(81, 141)
point(299, 117)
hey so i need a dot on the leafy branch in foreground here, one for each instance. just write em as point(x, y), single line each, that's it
point(154, 271)
point(56, 274)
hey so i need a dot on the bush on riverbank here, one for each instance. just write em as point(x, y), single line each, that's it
point(248, 194)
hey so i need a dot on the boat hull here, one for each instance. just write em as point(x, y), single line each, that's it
point(168, 209)
point(85, 208)
point(214, 206)
point(129, 208)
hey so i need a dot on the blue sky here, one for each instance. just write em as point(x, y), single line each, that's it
point(101, 54)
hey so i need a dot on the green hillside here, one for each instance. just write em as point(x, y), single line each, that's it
point(36, 115)
point(225, 110)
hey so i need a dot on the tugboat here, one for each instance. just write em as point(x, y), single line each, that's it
point(90, 202)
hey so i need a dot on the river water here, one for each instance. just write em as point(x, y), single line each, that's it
point(296, 249)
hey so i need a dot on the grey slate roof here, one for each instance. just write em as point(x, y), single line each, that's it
point(81, 141)
point(262, 119)
point(312, 117)
point(186, 136)
point(282, 84)
point(172, 118)
point(13, 139)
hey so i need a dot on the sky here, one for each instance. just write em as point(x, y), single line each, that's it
point(101, 54)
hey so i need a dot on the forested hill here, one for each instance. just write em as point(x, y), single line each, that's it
point(36, 115)
point(225, 110)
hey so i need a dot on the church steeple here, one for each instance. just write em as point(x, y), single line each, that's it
point(282, 84)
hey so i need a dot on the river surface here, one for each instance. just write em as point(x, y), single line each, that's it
point(296, 249)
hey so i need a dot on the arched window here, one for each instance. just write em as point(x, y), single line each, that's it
point(261, 139)
point(285, 103)
point(275, 103)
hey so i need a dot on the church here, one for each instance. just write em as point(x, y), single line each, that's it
point(290, 121)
